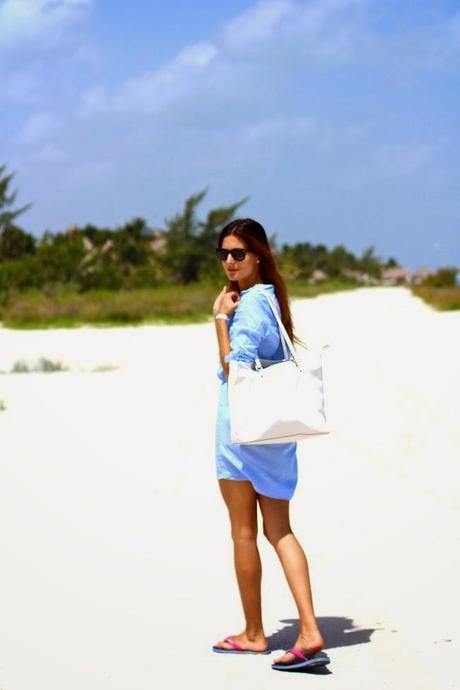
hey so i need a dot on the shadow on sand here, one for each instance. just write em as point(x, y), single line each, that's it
point(336, 631)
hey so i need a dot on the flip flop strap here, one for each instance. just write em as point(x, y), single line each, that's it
point(234, 644)
point(297, 653)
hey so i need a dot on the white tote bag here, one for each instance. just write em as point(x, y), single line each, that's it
point(278, 403)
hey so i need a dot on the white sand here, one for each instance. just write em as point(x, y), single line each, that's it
point(116, 567)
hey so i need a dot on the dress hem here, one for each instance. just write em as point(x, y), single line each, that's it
point(237, 479)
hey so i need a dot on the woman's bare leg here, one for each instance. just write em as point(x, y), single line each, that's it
point(278, 531)
point(241, 501)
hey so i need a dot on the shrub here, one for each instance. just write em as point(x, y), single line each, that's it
point(444, 299)
point(444, 277)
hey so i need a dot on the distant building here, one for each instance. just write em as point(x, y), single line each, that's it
point(107, 247)
point(359, 276)
point(158, 241)
point(397, 276)
point(404, 276)
point(318, 276)
point(421, 274)
point(87, 244)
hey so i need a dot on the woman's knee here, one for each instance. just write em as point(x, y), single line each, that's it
point(275, 515)
point(244, 533)
point(274, 533)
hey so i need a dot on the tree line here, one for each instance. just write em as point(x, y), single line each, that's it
point(135, 256)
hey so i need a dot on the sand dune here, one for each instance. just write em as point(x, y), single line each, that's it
point(116, 559)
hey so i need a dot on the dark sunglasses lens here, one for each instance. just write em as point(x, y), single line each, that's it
point(237, 254)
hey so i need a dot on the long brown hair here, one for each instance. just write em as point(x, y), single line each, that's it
point(255, 239)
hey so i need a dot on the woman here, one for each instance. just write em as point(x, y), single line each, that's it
point(258, 474)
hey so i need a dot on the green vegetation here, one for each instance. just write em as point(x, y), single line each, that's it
point(299, 289)
point(445, 277)
point(134, 274)
point(440, 290)
point(129, 257)
point(13, 241)
point(444, 299)
point(164, 304)
point(2, 405)
point(43, 364)
point(66, 308)
point(301, 260)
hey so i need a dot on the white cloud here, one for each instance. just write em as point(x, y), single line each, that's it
point(258, 23)
point(93, 101)
point(237, 61)
point(342, 30)
point(152, 91)
point(272, 105)
point(429, 43)
point(23, 20)
point(176, 78)
point(309, 28)
point(36, 37)
point(37, 128)
point(254, 55)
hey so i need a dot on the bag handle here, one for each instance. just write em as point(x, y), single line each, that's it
point(275, 309)
point(285, 339)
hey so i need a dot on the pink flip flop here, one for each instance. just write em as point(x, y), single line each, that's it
point(303, 661)
point(236, 648)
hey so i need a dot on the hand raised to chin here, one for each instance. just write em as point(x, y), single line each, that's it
point(226, 302)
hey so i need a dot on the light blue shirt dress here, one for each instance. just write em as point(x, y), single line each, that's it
point(271, 468)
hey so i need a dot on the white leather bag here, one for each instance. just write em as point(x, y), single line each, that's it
point(280, 402)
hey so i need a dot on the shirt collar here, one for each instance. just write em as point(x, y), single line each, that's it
point(258, 286)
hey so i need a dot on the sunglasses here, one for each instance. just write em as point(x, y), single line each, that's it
point(237, 254)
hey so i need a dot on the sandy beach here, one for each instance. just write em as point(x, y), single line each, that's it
point(116, 554)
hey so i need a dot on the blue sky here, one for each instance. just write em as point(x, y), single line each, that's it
point(338, 118)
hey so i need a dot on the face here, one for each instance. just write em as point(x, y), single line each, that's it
point(246, 272)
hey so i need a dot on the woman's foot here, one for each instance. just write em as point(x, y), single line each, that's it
point(253, 643)
point(308, 644)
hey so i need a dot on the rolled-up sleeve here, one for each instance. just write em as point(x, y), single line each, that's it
point(248, 328)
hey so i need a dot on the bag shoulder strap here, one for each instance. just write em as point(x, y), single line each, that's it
point(285, 339)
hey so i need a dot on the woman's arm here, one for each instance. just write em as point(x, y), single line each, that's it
point(226, 303)
point(223, 340)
